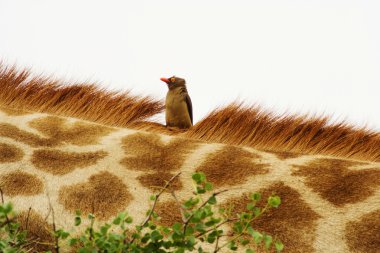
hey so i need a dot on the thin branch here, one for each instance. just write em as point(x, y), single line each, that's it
point(92, 220)
point(27, 219)
point(180, 206)
point(54, 226)
point(245, 228)
point(41, 243)
point(217, 226)
point(216, 244)
point(55, 229)
point(156, 199)
point(8, 221)
point(155, 202)
point(2, 196)
point(186, 223)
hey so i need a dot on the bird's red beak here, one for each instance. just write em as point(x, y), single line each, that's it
point(164, 79)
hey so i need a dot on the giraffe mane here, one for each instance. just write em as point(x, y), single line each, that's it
point(239, 124)
point(234, 124)
point(86, 101)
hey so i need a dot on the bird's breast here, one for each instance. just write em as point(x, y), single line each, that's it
point(176, 111)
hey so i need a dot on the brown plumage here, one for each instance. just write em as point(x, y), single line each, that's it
point(178, 107)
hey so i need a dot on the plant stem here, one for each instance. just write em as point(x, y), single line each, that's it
point(155, 202)
point(244, 230)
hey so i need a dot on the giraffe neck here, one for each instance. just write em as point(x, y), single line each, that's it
point(64, 164)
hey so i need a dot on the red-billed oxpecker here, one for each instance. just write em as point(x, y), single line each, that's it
point(178, 107)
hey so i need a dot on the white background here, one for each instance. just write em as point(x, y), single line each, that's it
point(317, 57)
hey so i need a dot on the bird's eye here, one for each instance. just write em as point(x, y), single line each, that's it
point(172, 79)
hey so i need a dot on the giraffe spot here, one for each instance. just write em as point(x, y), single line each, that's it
point(364, 235)
point(20, 183)
point(57, 133)
point(14, 112)
point(103, 195)
point(40, 233)
point(10, 153)
point(282, 155)
point(13, 132)
point(333, 181)
point(78, 133)
point(231, 166)
point(146, 152)
point(59, 162)
point(169, 212)
point(293, 222)
point(159, 180)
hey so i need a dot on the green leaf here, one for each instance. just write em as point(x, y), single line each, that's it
point(268, 241)
point(256, 211)
point(200, 190)
point(232, 246)
point(129, 220)
point(191, 240)
point(208, 212)
point(244, 241)
point(257, 236)
point(73, 241)
point(155, 236)
point(104, 229)
point(155, 215)
point(211, 238)
point(190, 203)
point(177, 227)
point(7, 208)
point(255, 196)
point(238, 227)
point(165, 230)
point(64, 235)
point(274, 201)
point(136, 235)
point(212, 200)
point(208, 186)
point(250, 206)
point(246, 216)
point(249, 251)
point(210, 223)
point(199, 227)
point(77, 221)
point(177, 236)
point(117, 220)
point(279, 246)
point(189, 230)
point(198, 177)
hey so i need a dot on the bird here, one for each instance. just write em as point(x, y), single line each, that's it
point(178, 106)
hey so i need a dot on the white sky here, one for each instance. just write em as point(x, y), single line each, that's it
point(318, 57)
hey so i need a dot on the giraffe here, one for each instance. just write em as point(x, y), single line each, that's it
point(64, 148)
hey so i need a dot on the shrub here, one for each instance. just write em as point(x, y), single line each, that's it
point(201, 227)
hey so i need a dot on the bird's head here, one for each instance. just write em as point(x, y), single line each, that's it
point(174, 82)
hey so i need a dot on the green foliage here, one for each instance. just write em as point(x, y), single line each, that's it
point(11, 236)
point(201, 225)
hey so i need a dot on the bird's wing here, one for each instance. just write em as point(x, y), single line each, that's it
point(189, 107)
